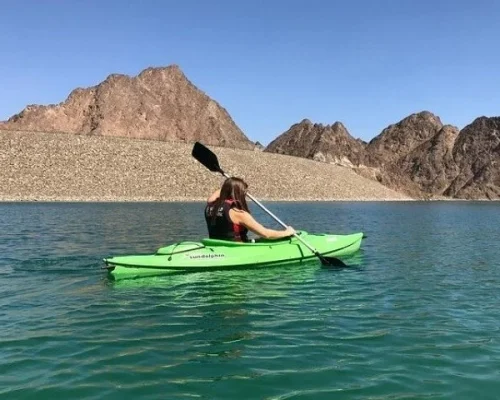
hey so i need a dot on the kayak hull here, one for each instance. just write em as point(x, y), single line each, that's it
point(213, 254)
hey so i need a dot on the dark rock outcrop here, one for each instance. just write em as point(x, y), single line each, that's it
point(430, 165)
point(327, 143)
point(397, 140)
point(418, 155)
point(477, 155)
point(158, 104)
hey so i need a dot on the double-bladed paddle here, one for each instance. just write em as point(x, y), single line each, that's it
point(206, 157)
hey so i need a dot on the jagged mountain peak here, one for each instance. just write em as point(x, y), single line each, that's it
point(329, 143)
point(160, 103)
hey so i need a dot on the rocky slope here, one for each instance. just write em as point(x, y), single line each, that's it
point(49, 166)
point(159, 104)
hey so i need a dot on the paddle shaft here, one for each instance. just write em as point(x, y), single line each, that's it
point(206, 157)
point(279, 221)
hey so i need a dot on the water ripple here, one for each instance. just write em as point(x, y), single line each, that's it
point(416, 317)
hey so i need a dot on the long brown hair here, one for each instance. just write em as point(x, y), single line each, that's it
point(233, 189)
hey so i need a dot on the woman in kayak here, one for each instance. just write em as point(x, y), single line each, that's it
point(228, 217)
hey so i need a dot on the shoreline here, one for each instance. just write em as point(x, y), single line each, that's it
point(272, 200)
point(4, 199)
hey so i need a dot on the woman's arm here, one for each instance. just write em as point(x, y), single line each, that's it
point(214, 196)
point(246, 219)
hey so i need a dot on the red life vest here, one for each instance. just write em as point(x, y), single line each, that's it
point(221, 227)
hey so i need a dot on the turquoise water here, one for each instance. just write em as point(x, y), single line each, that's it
point(416, 316)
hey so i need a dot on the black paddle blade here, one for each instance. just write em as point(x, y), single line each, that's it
point(332, 262)
point(206, 157)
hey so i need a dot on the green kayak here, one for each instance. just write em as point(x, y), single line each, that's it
point(214, 254)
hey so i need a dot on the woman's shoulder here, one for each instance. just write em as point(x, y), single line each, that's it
point(239, 215)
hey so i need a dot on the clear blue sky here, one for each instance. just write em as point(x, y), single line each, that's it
point(269, 63)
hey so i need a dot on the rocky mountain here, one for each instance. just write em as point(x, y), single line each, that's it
point(418, 155)
point(399, 139)
point(327, 143)
point(440, 162)
point(477, 156)
point(158, 104)
point(423, 171)
point(430, 165)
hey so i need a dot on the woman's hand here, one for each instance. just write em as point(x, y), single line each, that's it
point(290, 231)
